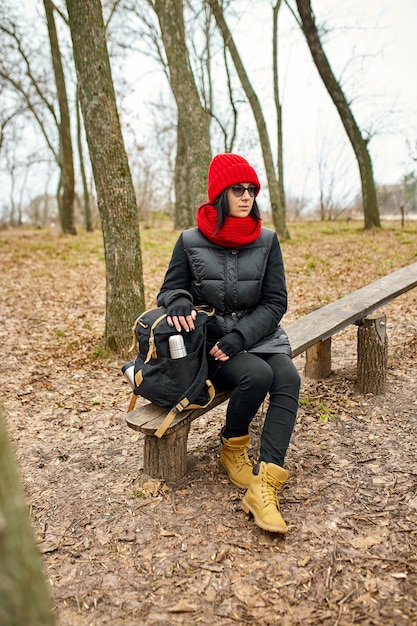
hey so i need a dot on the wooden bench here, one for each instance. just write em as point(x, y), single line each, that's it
point(166, 457)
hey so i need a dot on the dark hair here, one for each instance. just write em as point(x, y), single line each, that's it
point(221, 204)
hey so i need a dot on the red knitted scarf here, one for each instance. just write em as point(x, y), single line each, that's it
point(235, 231)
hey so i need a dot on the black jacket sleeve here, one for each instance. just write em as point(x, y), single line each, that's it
point(177, 278)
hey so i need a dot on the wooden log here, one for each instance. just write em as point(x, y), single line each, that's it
point(166, 458)
point(318, 363)
point(24, 594)
point(372, 354)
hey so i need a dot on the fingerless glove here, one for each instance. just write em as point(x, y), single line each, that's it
point(180, 307)
point(232, 343)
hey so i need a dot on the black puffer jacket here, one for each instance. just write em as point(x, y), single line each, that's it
point(245, 285)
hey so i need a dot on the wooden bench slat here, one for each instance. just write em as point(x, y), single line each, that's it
point(146, 413)
point(147, 418)
point(332, 318)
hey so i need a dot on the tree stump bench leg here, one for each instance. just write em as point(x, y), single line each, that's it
point(318, 363)
point(166, 458)
point(372, 354)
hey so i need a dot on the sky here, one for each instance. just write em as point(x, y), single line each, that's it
point(372, 47)
point(375, 57)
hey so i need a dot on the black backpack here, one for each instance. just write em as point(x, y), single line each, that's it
point(177, 383)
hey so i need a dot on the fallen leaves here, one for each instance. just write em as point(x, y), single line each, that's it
point(366, 542)
point(183, 606)
point(122, 548)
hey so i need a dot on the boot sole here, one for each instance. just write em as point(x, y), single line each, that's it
point(273, 529)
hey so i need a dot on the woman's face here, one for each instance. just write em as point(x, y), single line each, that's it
point(240, 206)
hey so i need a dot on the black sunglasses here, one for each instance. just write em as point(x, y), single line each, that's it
point(239, 190)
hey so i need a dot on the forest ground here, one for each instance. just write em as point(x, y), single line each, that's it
point(120, 548)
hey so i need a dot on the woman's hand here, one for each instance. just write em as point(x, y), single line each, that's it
point(228, 346)
point(218, 354)
point(181, 314)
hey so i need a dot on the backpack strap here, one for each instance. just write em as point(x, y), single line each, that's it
point(138, 320)
point(132, 403)
point(182, 406)
point(152, 348)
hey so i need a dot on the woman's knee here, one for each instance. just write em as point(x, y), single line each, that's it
point(261, 375)
point(285, 372)
point(294, 377)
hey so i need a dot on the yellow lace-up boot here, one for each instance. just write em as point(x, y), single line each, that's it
point(234, 458)
point(261, 499)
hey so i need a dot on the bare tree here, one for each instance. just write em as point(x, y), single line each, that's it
point(115, 191)
point(9, 137)
point(193, 129)
point(86, 194)
point(278, 107)
point(278, 211)
point(66, 202)
point(24, 75)
point(206, 78)
point(359, 143)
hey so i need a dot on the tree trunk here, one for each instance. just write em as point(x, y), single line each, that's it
point(66, 160)
point(278, 211)
point(372, 354)
point(166, 457)
point(86, 196)
point(24, 595)
point(183, 210)
point(359, 144)
point(278, 107)
point(193, 134)
point(112, 177)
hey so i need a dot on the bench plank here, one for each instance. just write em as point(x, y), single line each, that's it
point(332, 318)
point(147, 418)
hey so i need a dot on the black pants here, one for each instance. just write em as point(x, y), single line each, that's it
point(251, 377)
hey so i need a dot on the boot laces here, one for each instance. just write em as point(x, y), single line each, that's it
point(270, 489)
point(240, 458)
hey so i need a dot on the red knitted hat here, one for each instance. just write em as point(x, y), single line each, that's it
point(226, 170)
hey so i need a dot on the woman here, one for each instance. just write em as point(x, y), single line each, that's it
point(234, 265)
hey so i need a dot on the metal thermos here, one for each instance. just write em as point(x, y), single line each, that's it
point(177, 347)
point(128, 370)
